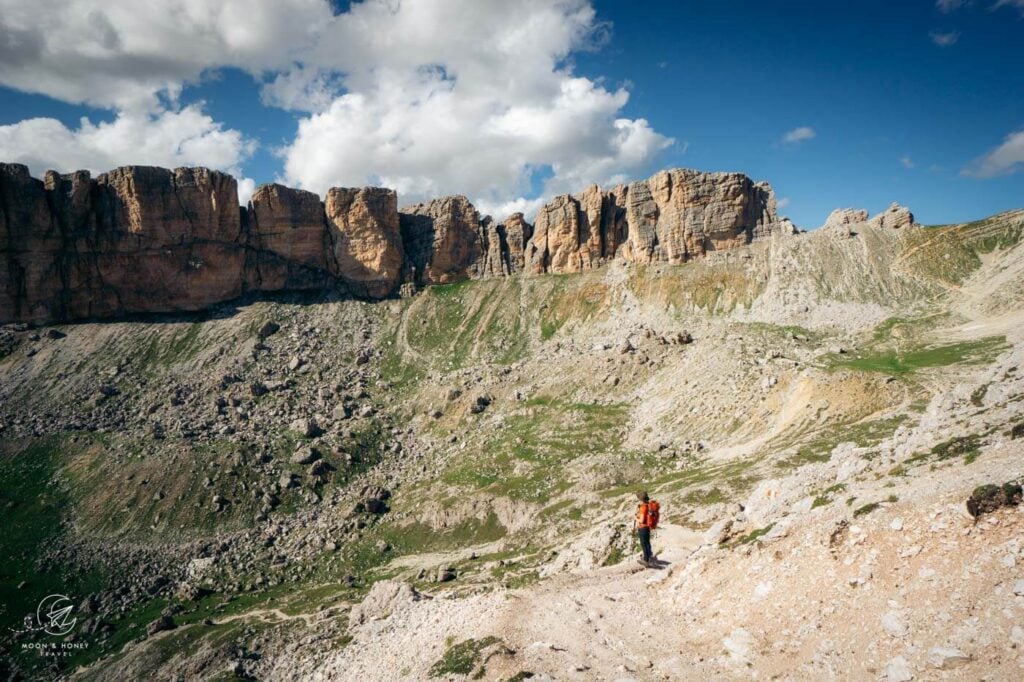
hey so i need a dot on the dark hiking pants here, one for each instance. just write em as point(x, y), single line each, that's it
point(645, 542)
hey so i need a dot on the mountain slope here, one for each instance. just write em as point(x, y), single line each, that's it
point(828, 383)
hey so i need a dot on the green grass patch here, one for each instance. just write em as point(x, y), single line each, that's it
point(701, 497)
point(900, 362)
point(454, 325)
point(462, 658)
point(967, 447)
point(525, 459)
point(752, 536)
point(572, 299)
point(36, 511)
point(863, 434)
point(615, 556)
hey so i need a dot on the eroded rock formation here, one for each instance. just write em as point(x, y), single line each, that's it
point(142, 239)
point(670, 218)
point(442, 239)
point(894, 217)
point(289, 238)
point(367, 243)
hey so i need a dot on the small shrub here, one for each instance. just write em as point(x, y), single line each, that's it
point(967, 446)
point(866, 509)
point(754, 535)
point(614, 557)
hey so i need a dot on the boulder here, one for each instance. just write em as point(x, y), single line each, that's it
point(307, 427)
point(384, 599)
point(161, 624)
point(898, 670)
point(305, 455)
point(988, 498)
point(947, 658)
point(267, 330)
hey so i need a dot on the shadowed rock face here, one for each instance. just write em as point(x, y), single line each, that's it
point(503, 246)
point(143, 239)
point(442, 239)
point(288, 233)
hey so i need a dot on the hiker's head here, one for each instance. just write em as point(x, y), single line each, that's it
point(642, 496)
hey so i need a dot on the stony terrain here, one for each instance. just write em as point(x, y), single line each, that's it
point(313, 486)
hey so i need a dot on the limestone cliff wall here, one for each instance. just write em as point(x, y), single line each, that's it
point(143, 239)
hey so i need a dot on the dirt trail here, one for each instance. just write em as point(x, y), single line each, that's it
point(606, 619)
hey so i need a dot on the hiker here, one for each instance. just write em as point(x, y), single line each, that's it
point(646, 520)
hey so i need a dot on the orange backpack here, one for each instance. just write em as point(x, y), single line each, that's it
point(648, 514)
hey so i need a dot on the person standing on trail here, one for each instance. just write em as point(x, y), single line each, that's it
point(645, 521)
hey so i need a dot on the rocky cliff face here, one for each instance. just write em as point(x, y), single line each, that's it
point(670, 218)
point(143, 239)
point(367, 243)
point(443, 240)
point(288, 235)
point(503, 246)
point(133, 240)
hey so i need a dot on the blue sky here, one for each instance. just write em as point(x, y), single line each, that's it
point(911, 101)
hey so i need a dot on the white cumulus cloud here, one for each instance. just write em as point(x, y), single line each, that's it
point(124, 54)
point(420, 103)
point(798, 135)
point(187, 137)
point(1019, 4)
point(1005, 159)
point(427, 96)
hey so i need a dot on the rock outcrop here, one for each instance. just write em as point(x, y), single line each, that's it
point(136, 239)
point(141, 239)
point(367, 243)
point(671, 218)
point(842, 217)
point(442, 239)
point(894, 217)
point(289, 236)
